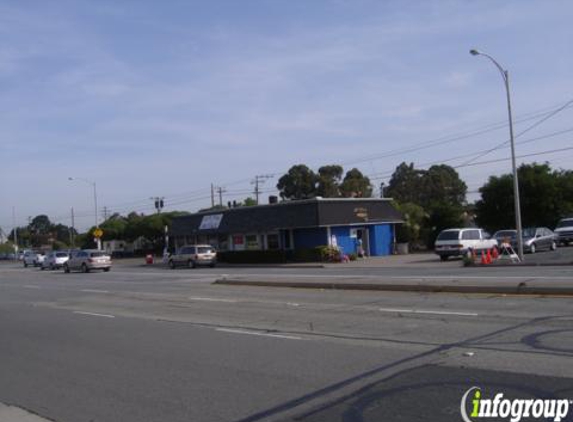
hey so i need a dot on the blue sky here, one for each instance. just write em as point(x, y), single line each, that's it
point(151, 98)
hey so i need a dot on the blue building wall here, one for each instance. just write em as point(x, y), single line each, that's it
point(381, 238)
point(309, 238)
point(343, 239)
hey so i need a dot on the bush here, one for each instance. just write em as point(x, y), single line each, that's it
point(252, 257)
point(304, 255)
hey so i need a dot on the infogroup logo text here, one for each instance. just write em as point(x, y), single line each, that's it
point(512, 409)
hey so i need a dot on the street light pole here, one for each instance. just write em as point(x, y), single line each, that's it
point(505, 76)
point(93, 184)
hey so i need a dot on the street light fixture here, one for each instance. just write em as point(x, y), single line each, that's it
point(93, 184)
point(505, 76)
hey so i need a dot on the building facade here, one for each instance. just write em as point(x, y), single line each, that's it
point(348, 223)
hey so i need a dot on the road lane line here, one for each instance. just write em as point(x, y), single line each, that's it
point(94, 291)
point(94, 314)
point(31, 286)
point(416, 311)
point(212, 299)
point(255, 333)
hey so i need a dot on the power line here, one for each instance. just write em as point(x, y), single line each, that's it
point(539, 122)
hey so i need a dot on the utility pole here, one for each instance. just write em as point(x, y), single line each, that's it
point(212, 196)
point(159, 203)
point(15, 231)
point(220, 190)
point(257, 181)
point(72, 231)
point(104, 213)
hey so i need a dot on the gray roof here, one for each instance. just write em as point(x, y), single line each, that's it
point(315, 212)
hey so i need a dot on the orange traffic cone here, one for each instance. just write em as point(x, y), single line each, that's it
point(483, 259)
point(488, 257)
point(494, 253)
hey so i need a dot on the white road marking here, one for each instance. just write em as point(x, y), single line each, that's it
point(94, 314)
point(212, 299)
point(292, 304)
point(94, 291)
point(256, 333)
point(31, 286)
point(418, 311)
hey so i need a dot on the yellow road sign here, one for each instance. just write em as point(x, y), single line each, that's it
point(98, 233)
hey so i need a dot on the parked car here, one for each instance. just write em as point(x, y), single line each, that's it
point(507, 236)
point(86, 260)
point(193, 256)
point(460, 242)
point(33, 258)
point(537, 238)
point(55, 260)
point(564, 231)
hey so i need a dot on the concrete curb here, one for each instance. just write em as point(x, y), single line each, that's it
point(161, 264)
point(520, 288)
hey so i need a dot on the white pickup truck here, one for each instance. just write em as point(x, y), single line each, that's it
point(460, 242)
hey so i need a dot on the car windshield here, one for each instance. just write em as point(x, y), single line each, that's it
point(204, 249)
point(565, 223)
point(61, 254)
point(529, 232)
point(449, 235)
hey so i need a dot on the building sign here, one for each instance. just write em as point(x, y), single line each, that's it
point(361, 213)
point(211, 222)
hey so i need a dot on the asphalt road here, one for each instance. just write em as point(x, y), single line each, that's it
point(149, 344)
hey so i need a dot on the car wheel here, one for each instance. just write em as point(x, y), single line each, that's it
point(52, 267)
point(532, 248)
point(171, 264)
point(25, 264)
point(85, 268)
point(42, 267)
point(191, 263)
point(553, 246)
point(66, 268)
point(212, 265)
point(443, 257)
point(107, 269)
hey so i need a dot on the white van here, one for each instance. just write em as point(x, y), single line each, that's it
point(460, 242)
point(564, 231)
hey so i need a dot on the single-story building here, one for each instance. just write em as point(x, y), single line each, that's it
point(290, 225)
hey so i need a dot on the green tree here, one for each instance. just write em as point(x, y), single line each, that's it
point(441, 183)
point(414, 222)
point(405, 185)
point(299, 183)
point(249, 202)
point(545, 196)
point(329, 178)
point(40, 224)
point(355, 185)
point(114, 227)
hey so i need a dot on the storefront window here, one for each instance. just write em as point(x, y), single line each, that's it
point(273, 241)
point(223, 243)
point(252, 241)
